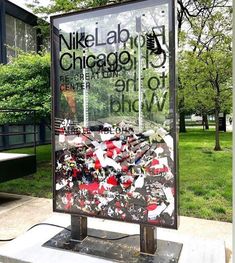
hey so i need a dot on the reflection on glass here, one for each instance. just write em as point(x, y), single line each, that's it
point(19, 36)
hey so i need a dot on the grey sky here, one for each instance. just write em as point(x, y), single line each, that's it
point(22, 3)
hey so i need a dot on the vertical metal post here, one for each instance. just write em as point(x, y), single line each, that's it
point(85, 89)
point(3, 55)
point(140, 91)
point(34, 131)
point(85, 99)
point(148, 243)
point(78, 227)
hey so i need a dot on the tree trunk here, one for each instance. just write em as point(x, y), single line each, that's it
point(205, 121)
point(217, 139)
point(182, 122)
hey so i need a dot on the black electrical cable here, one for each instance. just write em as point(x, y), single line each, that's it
point(116, 238)
point(49, 224)
point(6, 240)
point(97, 237)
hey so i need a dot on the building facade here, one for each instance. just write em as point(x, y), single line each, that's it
point(17, 31)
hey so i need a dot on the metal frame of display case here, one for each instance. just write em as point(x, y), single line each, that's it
point(79, 221)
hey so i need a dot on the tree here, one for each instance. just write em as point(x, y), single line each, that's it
point(206, 71)
point(25, 84)
point(193, 19)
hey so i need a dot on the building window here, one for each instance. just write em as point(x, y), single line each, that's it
point(19, 36)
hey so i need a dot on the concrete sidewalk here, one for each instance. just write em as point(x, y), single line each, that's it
point(19, 213)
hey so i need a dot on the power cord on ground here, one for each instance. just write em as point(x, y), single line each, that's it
point(6, 240)
point(49, 224)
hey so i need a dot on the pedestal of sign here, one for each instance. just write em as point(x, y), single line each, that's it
point(115, 246)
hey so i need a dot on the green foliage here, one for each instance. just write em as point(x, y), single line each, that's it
point(55, 7)
point(205, 65)
point(25, 84)
point(204, 79)
point(205, 35)
point(64, 6)
point(205, 176)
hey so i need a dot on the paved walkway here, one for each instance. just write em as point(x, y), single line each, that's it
point(19, 213)
point(229, 128)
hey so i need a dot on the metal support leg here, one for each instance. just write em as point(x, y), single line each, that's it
point(147, 239)
point(78, 227)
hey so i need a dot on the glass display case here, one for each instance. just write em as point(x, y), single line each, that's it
point(114, 113)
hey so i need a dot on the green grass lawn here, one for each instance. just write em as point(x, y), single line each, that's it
point(205, 176)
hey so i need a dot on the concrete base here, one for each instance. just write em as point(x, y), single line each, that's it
point(123, 250)
point(28, 247)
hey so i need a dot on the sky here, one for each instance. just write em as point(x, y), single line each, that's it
point(22, 3)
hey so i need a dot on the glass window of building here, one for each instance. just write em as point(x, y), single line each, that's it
point(19, 36)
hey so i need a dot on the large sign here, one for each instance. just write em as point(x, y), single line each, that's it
point(114, 120)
